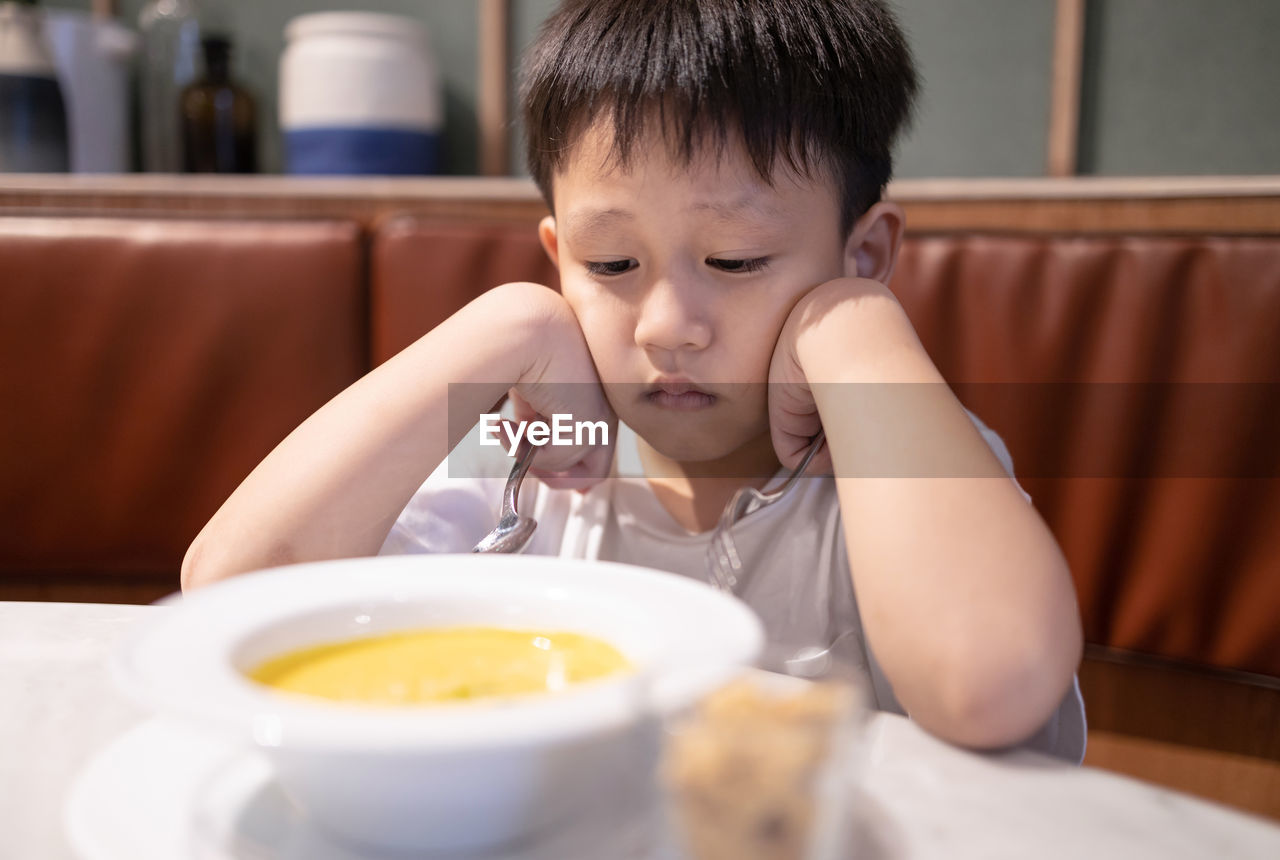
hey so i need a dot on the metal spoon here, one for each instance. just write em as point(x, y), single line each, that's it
point(815, 661)
point(513, 531)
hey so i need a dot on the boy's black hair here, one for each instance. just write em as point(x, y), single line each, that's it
point(821, 84)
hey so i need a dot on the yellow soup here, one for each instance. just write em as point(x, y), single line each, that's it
point(441, 665)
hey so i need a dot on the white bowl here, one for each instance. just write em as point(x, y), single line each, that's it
point(456, 776)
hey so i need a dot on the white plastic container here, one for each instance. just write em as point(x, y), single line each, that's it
point(93, 58)
point(359, 94)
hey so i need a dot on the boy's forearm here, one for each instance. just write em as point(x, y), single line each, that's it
point(335, 485)
point(962, 589)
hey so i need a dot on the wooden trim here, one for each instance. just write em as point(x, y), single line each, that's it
point(1205, 731)
point(1194, 216)
point(1233, 205)
point(263, 187)
point(1064, 103)
point(363, 200)
point(1086, 188)
point(1192, 706)
point(493, 97)
point(955, 190)
point(82, 587)
point(1193, 205)
point(1246, 783)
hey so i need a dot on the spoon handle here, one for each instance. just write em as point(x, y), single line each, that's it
point(511, 493)
point(798, 470)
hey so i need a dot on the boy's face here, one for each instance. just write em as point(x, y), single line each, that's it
point(682, 277)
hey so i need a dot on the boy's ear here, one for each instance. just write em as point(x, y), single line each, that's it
point(547, 236)
point(871, 251)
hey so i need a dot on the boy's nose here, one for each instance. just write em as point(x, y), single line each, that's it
point(673, 318)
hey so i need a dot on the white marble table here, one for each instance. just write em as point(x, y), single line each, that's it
point(57, 708)
point(923, 798)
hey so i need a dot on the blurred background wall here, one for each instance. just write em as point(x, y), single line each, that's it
point(1169, 86)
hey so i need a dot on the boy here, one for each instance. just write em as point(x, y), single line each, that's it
point(714, 170)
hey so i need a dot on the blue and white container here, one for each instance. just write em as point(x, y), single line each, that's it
point(359, 94)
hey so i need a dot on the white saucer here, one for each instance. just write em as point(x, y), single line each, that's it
point(165, 790)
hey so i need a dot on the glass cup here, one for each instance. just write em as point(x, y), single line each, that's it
point(768, 766)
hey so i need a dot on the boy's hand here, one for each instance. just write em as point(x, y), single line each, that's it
point(835, 325)
point(560, 378)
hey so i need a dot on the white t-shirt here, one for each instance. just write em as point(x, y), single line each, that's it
point(796, 570)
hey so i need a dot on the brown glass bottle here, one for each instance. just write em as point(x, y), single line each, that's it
point(219, 117)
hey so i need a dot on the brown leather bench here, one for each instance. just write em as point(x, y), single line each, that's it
point(1135, 380)
point(423, 269)
point(147, 363)
point(145, 367)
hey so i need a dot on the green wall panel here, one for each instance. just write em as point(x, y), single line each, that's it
point(984, 107)
point(1181, 87)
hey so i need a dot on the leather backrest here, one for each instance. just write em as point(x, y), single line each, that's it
point(1135, 380)
point(146, 366)
point(422, 270)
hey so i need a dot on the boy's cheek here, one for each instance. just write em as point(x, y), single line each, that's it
point(577, 298)
point(614, 393)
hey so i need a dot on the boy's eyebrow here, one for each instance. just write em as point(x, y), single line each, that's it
point(584, 222)
point(587, 221)
point(733, 210)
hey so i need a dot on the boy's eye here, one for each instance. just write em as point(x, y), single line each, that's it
point(754, 264)
point(610, 267)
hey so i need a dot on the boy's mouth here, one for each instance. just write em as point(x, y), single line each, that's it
point(679, 395)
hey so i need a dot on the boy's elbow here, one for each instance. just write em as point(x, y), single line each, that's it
point(1005, 702)
point(213, 557)
point(207, 562)
point(197, 567)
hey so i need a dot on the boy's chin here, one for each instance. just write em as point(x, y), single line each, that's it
point(688, 450)
point(712, 448)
